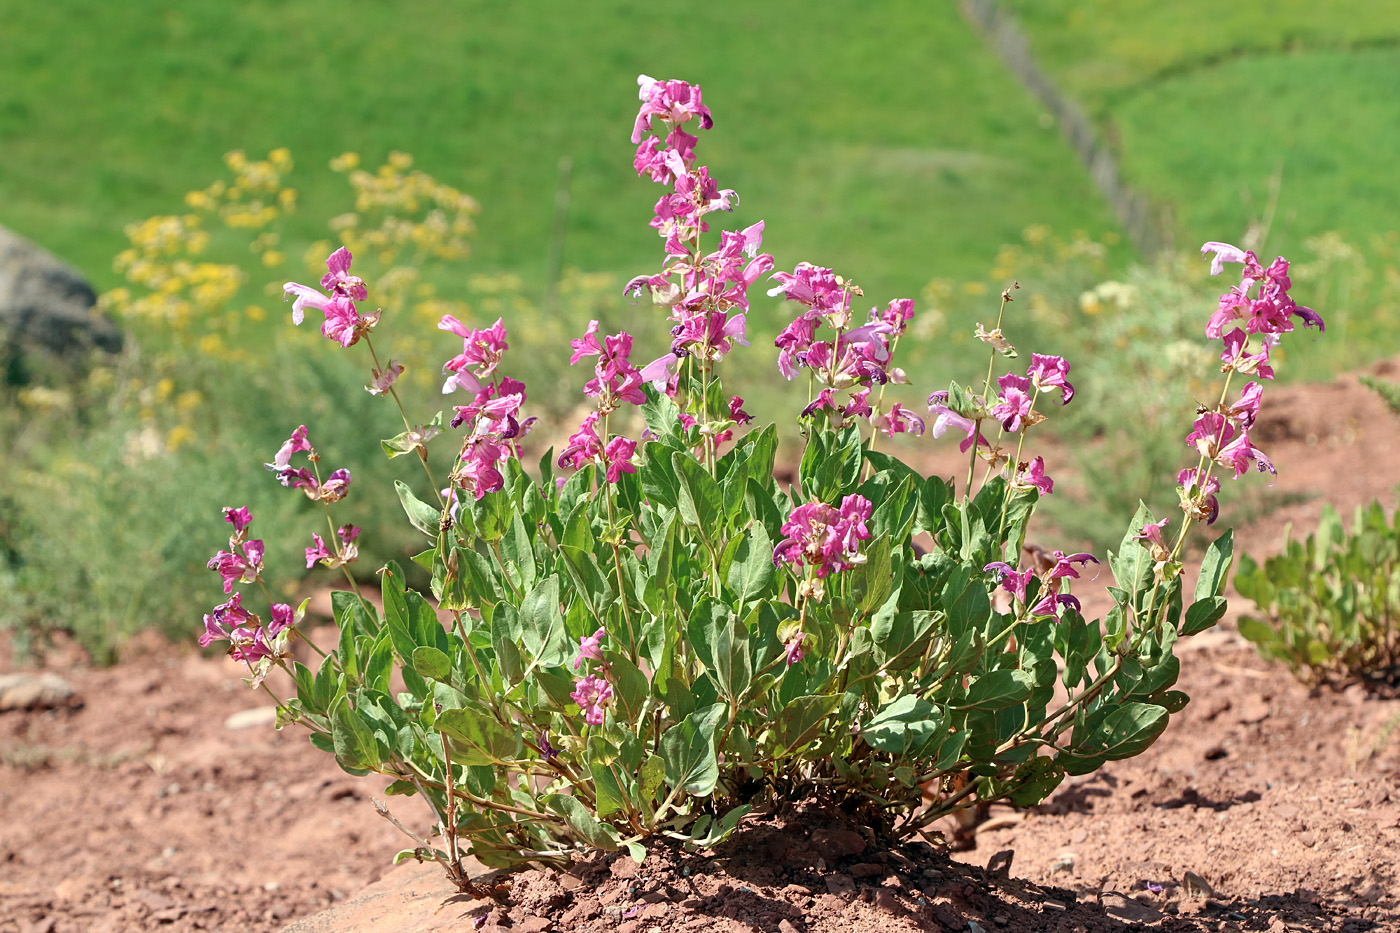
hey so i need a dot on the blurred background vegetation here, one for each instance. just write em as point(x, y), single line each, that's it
point(885, 141)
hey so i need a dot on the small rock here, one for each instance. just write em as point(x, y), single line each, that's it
point(27, 691)
point(248, 718)
point(867, 870)
point(1128, 910)
point(1308, 839)
point(840, 885)
point(974, 927)
point(39, 926)
point(1080, 836)
point(532, 925)
point(785, 926)
point(1214, 752)
point(1063, 862)
point(1196, 886)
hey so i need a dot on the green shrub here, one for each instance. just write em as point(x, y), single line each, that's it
point(1330, 604)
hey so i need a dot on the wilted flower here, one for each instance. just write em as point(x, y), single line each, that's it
point(594, 695)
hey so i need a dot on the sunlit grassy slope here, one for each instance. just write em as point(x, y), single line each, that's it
point(882, 140)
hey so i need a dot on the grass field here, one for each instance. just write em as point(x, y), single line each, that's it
point(886, 142)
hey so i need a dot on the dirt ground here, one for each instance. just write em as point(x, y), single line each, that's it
point(162, 799)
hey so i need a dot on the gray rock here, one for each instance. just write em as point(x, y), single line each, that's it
point(47, 305)
point(35, 691)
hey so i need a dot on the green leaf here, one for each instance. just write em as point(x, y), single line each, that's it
point(608, 793)
point(431, 662)
point(733, 660)
point(902, 637)
point(908, 725)
point(1124, 732)
point(1203, 613)
point(542, 624)
point(581, 821)
point(355, 748)
point(751, 572)
point(1215, 566)
point(1037, 777)
point(482, 740)
point(803, 719)
point(688, 752)
point(998, 690)
point(872, 580)
point(649, 779)
point(630, 684)
point(1258, 631)
point(421, 515)
point(701, 503)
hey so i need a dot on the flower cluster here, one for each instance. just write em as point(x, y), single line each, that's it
point(1053, 601)
point(344, 323)
point(250, 641)
point(243, 561)
point(855, 360)
point(1261, 315)
point(824, 539)
point(332, 489)
point(592, 693)
point(493, 418)
point(705, 294)
point(615, 381)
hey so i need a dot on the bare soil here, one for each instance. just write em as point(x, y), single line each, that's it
point(1264, 807)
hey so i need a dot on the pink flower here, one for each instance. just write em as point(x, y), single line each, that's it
point(338, 279)
point(1246, 409)
point(226, 617)
point(1152, 534)
point(736, 411)
point(1062, 568)
point(1033, 477)
point(590, 647)
point(242, 564)
point(899, 420)
point(1054, 604)
point(240, 518)
point(1014, 403)
point(1199, 500)
point(481, 352)
point(1235, 357)
point(1012, 580)
point(618, 455)
point(825, 538)
point(294, 444)
point(584, 446)
point(594, 695)
point(793, 648)
point(672, 102)
point(945, 417)
point(1048, 372)
point(319, 552)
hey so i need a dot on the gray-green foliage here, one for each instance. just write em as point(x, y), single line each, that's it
point(1329, 604)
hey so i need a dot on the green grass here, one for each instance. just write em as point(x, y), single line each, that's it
point(886, 142)
point(1211, 105)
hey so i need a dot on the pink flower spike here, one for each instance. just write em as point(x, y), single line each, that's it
point(590, 647)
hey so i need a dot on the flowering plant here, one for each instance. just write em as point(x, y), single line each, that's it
point(660, 638)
